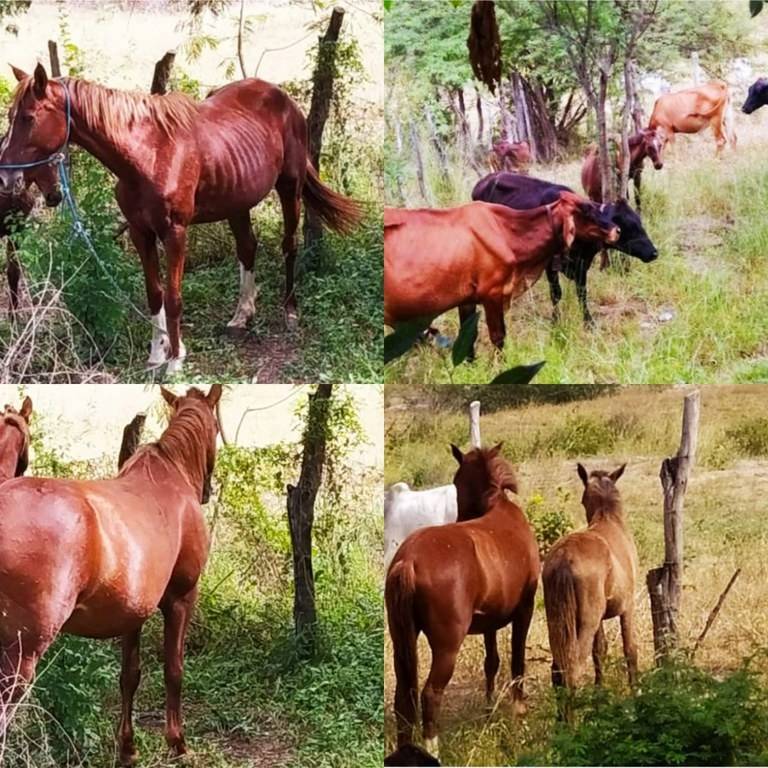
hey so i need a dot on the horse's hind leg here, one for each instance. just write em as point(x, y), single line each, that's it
point(491, 665)
point(289, 192)
point(599, 650)
point(440, 674)
point(130, 676)
point(245, 241)
point(630, 644)
point(521, 623)
point(177, 612)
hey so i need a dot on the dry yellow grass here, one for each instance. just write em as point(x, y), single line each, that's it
point(726, 527)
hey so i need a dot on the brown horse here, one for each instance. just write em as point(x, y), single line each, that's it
point(588, 577)
point(98, 558)
point(474, 576)
point(14, 440)
point(16, 207)
point(180, 162)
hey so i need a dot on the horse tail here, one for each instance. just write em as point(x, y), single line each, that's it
point(399, 596)
point(561, 607)
point(336, 211)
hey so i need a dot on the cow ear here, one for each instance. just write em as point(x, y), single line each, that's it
point(582, 474)
point(169, 397)
point(214, 395)
point(41, 81)
point(617, 473)
point(19, 74)
point(457, 454)
point(569, 229)
point(26, 409)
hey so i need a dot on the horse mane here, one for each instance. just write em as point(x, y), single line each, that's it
point(114, 111)
point(184, 442)
point(14, 419)
point(500, 471)
point(606, 504)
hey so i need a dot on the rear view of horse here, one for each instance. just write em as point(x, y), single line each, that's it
point(178, 163)
point(406, 511)
point(693, 110)
point(589, 576)
point(474, 576)
point(98, 558)
point(14, 441)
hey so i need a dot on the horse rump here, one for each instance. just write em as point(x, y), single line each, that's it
point(337, 212)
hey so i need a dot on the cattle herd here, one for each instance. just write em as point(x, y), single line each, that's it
point(491, 250)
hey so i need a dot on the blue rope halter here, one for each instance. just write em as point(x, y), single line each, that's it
point(57, 158)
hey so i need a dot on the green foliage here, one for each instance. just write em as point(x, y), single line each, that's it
point(747, 439)
point(550, 520)
point(582, 435)
point(680, 716)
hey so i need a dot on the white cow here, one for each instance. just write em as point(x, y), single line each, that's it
point(406, 510)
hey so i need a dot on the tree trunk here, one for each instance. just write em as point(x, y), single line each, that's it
point(435, 139)
point(665, 583)
point(131, 439)
point(319, 110)
point(162, 73)
point(480, 120)
point(301, 514)
point(623, 188)
point(606, 171)
point(240, 27)
point(419, 163)
point(53, 53)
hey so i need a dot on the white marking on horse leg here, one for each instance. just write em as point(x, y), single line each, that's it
point(432, 746)
point(176, 364)
point(246, 305)
point(161, 345)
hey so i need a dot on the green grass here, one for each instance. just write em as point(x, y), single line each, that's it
point(706, 218)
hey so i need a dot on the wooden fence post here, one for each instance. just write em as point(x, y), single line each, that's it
point(53, 53)
point(474, 424)
point(320, 109)
point(162, 73)
point(665, 583)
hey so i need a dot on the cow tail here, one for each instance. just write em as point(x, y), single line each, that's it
point(399, 595)
point(561, 607)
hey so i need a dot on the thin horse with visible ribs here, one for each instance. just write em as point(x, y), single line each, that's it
point(96, 558)
point(181, 162)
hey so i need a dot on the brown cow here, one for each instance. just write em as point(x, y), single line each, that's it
point(692, 110)
point(512, 156)
point(646, 143)
point(478, 253)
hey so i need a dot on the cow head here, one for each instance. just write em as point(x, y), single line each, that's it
point(756, 97)
point(633, 239)
point(590, 220)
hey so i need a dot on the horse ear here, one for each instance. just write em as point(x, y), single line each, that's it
point(582, 473)
point(169, 397)
point(617, 473)
point(26, 409)
point(19, 74)
point(41, 81)
point(214, 395)
point(457, 454)
point(496, 450)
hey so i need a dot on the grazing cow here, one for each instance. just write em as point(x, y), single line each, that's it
point(756, 97)
point(510, 156)
point(478, 253)
point(405, 511)
point(692, 110)
point(588, 577)
point(646, 143)
point(525, 192)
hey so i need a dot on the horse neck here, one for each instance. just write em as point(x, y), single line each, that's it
point(607, 511)
point(108, 148)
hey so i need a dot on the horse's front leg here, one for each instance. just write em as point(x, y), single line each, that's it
point(245, 241)
point(175, 242)
point(177, 612)
point(130, 675)
point(145, 242)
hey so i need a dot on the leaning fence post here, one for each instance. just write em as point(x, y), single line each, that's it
point(53, 53)
point(665, 583)
point(474, 424)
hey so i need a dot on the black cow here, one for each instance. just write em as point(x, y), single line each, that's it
point(525, 192)
point(756, 97)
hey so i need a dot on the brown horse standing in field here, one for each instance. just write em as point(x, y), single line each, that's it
point(588, 577)
point(14, 440)
point(98, 558)
point(180, 162)
point(17, 206)
point(474, 576)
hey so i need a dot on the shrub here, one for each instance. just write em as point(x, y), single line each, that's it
point(549, 521)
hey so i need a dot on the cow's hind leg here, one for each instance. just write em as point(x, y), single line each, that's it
point(555, 293)
point(246, 244)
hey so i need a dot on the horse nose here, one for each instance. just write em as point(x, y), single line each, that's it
point(52, 199)
point(11, 182)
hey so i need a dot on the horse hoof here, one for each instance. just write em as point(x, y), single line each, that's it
point(291, 319)
point(236, 331)
point(129, 758)
point(174, 366)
